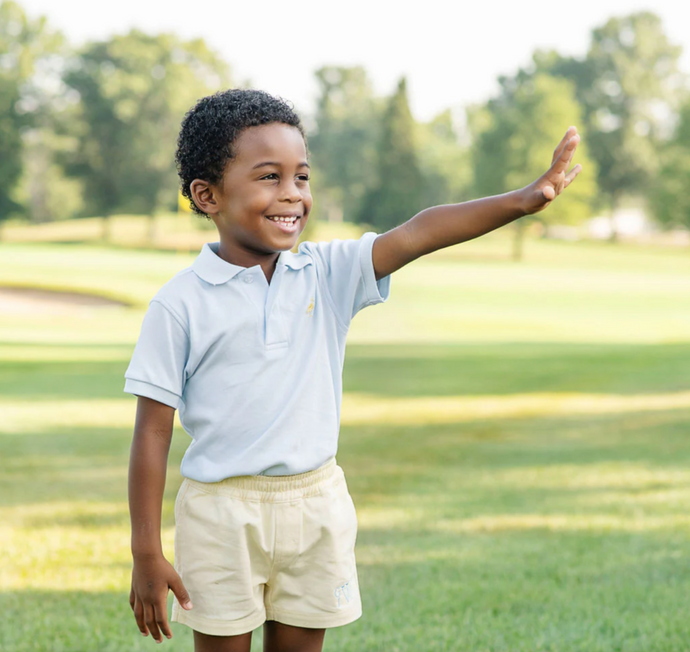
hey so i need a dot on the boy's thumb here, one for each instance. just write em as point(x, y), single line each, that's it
point(548, 193)
point(181, 594)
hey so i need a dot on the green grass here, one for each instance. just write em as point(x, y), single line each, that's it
point(515, 438)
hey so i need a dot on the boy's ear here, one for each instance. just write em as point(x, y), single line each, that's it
point(204, 197)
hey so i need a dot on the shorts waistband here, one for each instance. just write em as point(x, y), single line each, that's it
point(274, 488)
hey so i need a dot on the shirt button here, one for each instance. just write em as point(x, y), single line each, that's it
point(248, 279)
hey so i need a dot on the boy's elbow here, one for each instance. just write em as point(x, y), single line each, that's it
point(418, 235)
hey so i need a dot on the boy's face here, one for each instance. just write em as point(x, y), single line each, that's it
point(262, 203)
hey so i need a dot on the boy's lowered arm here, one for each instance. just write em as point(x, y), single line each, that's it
point(442, 226)
point(152, 574)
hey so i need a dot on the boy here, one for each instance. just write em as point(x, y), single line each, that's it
point(248, 344)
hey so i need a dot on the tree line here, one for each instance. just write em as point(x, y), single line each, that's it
point(92, 131)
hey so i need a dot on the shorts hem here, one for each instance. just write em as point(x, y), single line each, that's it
point(314, 621)
point(218, 627)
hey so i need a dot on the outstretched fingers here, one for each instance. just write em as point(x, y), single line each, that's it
point(564, 141)
point(571, 175)
point(561, 164)
point(552, 183)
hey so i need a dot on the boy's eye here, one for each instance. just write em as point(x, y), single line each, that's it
point(273, 175)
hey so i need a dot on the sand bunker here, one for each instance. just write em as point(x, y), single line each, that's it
point(33, 301)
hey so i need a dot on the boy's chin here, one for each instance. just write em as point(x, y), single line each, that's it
point(278, 246)
point(288, 240)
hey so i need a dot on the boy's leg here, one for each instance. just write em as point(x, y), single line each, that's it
point(286, 638)
point(208, 643)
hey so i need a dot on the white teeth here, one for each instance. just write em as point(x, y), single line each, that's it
point(277, 218)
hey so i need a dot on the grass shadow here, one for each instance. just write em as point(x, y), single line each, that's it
point(418, 370)
point(508, 368)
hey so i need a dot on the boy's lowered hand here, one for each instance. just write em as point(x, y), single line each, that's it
point(538, 195)
point(152, 576)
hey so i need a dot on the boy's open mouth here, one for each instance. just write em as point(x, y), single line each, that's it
point(287, 223)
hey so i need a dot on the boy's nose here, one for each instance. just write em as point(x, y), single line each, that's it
point(291, 193)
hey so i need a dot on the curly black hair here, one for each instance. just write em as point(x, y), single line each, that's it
point(210, 128)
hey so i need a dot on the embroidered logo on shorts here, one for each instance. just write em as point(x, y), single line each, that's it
point(342, 595)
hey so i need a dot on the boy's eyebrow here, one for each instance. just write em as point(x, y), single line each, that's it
point(303, 164)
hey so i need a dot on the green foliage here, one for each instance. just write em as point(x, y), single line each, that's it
point(103, 141)
point(517, 135)
point(631, 100)
point(398, 191)
point(629, 86)
point(44, 187)
point(351, 134)
point(134, 90)
point(669, 197)
point(24, 45)
point(10, 147)
point(444, 162)
point(343, 147)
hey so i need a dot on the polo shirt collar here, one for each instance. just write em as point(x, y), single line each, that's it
point(294, 261)
point(210, 267)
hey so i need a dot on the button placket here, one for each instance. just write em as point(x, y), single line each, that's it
point(275, 332)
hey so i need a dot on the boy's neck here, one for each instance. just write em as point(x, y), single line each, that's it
point(234, 255)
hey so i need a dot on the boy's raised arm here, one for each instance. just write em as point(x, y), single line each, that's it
point(152, 574)
point(443, 226)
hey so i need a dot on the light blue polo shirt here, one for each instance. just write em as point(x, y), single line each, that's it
point(254, 369)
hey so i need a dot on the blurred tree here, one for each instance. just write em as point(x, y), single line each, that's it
point(669, 198)
point(134, 90)
point(631, 101)
point(343, 146)
point(25, 45)
point(444, 162)
point(44, 188)
point(629, 86)
point(398, 190)
point(515, 137)
point(48, 192)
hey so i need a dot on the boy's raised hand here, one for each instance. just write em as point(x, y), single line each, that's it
point(450, 224)
point(538, 195)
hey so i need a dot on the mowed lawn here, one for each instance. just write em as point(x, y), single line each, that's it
point(516, 438)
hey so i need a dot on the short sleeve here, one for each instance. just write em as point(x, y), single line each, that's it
point(158, 363)
point(347, 269)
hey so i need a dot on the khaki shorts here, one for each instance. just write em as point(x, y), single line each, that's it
point(257, 548)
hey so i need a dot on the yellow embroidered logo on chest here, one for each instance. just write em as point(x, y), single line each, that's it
point(310, 309)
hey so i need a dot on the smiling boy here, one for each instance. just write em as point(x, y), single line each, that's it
point(248, 344)
point(256, 215)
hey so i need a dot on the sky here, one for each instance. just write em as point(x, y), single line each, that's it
point(451, 52)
